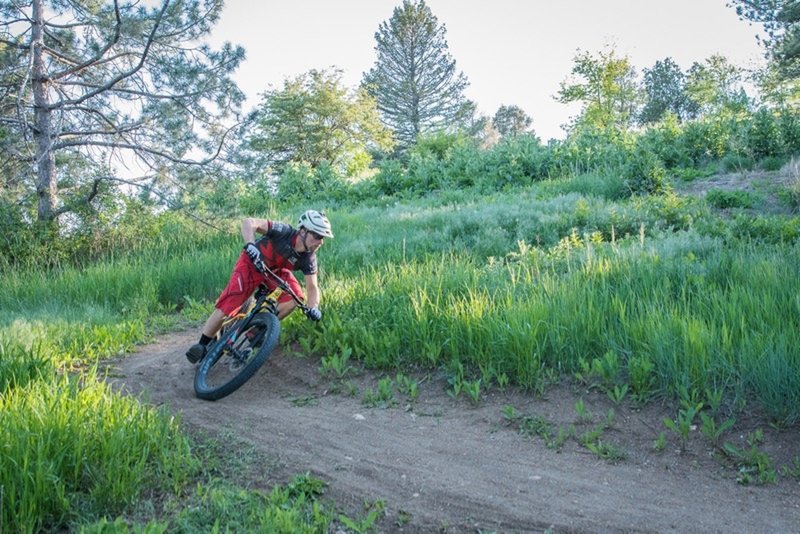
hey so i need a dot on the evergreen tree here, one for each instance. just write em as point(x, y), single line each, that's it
point(511, 120)
point(781, 20)
point(665, 91)
point(88, 87)
point(414, 79)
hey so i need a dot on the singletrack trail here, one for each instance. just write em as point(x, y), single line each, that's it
point(445, 464)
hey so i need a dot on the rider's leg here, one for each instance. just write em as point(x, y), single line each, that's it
point(285, 308)
point(286, 303)
point(214, 323)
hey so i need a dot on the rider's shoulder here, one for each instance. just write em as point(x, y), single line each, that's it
point(279, 227)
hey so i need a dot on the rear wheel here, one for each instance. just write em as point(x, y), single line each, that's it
point(234, 359)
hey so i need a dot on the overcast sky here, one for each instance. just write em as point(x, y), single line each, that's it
point(514, 52)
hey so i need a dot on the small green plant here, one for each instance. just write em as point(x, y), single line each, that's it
point(307, 400)
point(753, 464)
point(535, 426)
point(456, 380)
point(502, 381)
point(713, 399)
point(407, 386)
point(607, 451)
point(383, 397)
point(618, 393)
point(713, 431)
point(351, 390)
point(603, 372)
point(684, 422)
point(473, 390)
point(660, 443)
point(583, 415)
point(374, 510)
point(792, 470)
point(337, 365)
point(510, 414)
point(642, 377)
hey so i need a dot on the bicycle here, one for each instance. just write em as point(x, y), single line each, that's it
point(244, 344)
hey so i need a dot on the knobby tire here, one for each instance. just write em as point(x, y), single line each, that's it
point(263, 348)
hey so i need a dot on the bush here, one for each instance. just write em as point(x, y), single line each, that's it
point(644, 173)
point(763, 137)
point(719, 198)
point(664, 140)
point(518, 161)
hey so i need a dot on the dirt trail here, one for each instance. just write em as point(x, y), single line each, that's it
point(443, 464)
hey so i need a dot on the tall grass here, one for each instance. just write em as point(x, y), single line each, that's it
point(703, 315)
point(73, 449)
point(563, 278)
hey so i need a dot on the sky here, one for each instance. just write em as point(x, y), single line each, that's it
point(513, 52)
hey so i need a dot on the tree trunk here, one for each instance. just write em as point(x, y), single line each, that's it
point(44, 163)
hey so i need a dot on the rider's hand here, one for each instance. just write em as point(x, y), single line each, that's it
point(314, 314)
point(253, 253)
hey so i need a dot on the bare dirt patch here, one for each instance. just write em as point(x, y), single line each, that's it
point(765, 186)
point(446, 464)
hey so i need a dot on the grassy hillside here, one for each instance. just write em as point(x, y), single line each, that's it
point(674, 297)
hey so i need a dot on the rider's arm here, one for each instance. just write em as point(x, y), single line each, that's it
point(312, 291)
point(251, 226)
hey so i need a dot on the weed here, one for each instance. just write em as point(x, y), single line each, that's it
point(351, 389)
point(407, 386)
point(383, 397)
point(660, 443)
point(535, 426)
point(753, 464)
point(618, 393)
point(712, 430)
point(307, 400)
point(502, 381)
point(337, 365)
point(374, 510)
point(473, 389)
point(607, 451)
point(510, 414)
point(684, 422)
point(583, 415)
point(792, 470)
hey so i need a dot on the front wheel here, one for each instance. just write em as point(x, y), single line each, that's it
point(235, 358)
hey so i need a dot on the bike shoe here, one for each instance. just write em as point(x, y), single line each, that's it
point(196, 353)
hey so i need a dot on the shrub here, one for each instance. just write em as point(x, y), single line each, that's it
point(719, 198)
point(644, 173)
point(763, 135)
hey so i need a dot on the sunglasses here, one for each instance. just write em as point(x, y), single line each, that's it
point(316, 236)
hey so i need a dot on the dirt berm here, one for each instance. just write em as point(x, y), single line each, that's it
point(445, 464)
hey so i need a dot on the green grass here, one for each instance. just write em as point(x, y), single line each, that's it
point(73, 449)
point(653, 297)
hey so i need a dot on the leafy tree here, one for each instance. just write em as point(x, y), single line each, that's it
point(606, 85)
point(87, 87)
point(313, 118)
point(665, 91)
point(716, 85)
point(414, 79)
point(781, 20)
point(511, 120)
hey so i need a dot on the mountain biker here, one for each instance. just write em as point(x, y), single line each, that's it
point(283, 249)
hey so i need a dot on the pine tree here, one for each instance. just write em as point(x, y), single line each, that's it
point(414, 79)
point(87, 87)
point(781, 20)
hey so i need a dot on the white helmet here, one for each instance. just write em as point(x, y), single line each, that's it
point(316, 222)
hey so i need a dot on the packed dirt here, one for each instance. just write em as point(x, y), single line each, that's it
point(440, 463)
